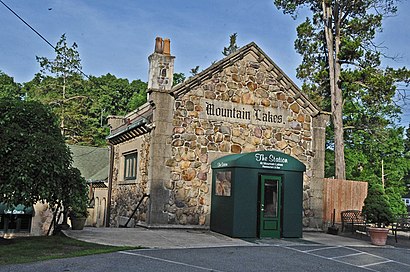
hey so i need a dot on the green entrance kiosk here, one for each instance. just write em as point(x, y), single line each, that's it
point(257, 194)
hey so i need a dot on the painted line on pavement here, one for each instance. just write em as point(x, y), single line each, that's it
point(388, 261)
point(359, 252)
point(322, 248)
point(331, 258)
point(169, 261)
point(348, 255)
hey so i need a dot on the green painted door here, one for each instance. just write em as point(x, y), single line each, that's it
point(270, 207)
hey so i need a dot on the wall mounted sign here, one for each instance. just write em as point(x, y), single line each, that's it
point(270, 161)
point(240, 113)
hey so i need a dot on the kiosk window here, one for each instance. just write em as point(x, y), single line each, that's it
point(223, 183)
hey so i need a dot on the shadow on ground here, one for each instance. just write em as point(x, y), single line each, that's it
point(403, 240)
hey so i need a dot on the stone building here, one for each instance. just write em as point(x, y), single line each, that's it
point(242, 103)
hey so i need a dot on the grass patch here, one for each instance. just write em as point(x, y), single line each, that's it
point(33, 249)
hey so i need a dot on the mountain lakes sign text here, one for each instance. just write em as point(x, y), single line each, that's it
point(232, 112)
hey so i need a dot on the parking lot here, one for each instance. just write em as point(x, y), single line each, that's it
point(259, 255)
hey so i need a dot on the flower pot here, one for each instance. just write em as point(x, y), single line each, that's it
point(78, 223)
point(378, 236)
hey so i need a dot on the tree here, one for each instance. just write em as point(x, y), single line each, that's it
point(194, 71)
point(380, 158)
point(340, 58)
point(178, 78)
point(232, 45)
point(9, 88)
point(34, 158)
point(36, 164)
point(64, 92)
point(109, 95)
point(407, 141)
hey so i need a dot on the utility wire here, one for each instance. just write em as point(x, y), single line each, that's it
point(38, 34)
point(21, 19)
point(52, 46)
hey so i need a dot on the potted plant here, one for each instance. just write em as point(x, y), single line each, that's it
point(377, 211)
point(76, 200)
point(78, 216)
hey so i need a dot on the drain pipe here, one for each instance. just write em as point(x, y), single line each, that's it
point(110, 175)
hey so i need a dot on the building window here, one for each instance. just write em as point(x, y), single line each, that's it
point(130, 166)
point(223, 183)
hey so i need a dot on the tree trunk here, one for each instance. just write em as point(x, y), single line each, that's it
point(332, 43)
point(62, 125)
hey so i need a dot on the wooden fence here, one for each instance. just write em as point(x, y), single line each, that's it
point(342, 195)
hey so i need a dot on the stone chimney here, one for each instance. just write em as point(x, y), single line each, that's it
point(161, 67)
point(161, 70)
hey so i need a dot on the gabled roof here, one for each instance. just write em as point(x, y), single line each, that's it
point(251, 48)
point(93, 162)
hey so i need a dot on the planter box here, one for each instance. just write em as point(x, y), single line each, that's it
point(78, 223)
point(378, 236)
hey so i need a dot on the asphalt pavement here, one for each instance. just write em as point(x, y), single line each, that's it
point(186, 238)
point(196, 250)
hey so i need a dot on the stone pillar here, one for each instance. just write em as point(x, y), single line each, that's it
point(318, 170)
point(160, 75)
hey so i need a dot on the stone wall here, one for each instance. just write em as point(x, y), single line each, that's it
point(126, 195)
point(196, 141)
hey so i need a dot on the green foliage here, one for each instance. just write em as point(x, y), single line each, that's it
point(178, 78)
point(376, 206)
point(407, 142)
point(66, 63)
point(339, 55)
point(233, 47)
point(82, 105)
point(139, 96)
point(109, 95)
point(76, 194)
point(41, 248)
point(64, 91)
point(397, 205)
point(195, 70)
point(34, 158)
point(361, 79)
point(9, 88)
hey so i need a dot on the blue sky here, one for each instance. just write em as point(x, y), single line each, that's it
point(117, 36)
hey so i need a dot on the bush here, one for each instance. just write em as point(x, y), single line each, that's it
point(377, 206)
point(76, 199)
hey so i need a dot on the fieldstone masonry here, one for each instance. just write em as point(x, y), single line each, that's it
point(243, 103)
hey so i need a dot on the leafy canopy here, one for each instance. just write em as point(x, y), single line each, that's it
point(341, 66)
point(35, 163)
point(9, 88)
point(82, 104)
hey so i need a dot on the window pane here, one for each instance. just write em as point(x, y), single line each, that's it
point(130, 166)
point(271, 198)
point(223, 183)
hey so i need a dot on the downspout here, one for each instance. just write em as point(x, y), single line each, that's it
point(110, 175)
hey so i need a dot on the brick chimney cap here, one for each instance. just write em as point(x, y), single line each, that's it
point(167, 47)
point(159, 46)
